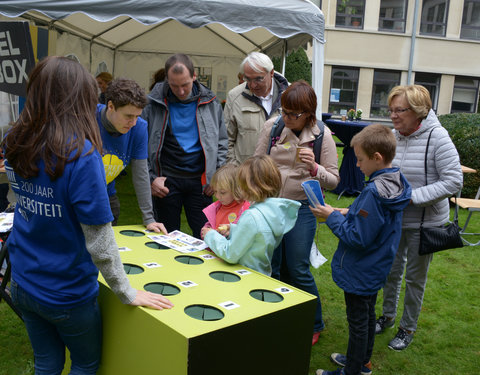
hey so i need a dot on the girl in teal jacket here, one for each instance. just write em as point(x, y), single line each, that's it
point(260, 229)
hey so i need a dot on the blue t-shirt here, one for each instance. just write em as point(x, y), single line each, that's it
point(118, 151)
point(47, 246)
point(183, 120)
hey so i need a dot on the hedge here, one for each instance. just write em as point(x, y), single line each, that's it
point(464, 129)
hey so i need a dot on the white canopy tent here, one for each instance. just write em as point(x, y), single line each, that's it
point(133, 38)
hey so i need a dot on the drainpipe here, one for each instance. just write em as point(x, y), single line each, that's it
point(412, 44)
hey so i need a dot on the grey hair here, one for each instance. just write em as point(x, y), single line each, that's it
point(258, 61)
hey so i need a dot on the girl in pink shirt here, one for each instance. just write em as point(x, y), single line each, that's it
point(229, 205)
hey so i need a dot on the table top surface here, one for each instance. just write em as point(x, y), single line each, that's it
point(347, 122)
point(468, 169)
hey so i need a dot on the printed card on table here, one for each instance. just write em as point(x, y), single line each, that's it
point(180, 241)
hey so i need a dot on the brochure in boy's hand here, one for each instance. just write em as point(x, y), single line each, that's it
point(314, 192)
point(179, 241)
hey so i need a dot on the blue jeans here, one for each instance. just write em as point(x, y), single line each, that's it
point(51, 329)
point(361, 330)
point(186, 192)
point(291, 259)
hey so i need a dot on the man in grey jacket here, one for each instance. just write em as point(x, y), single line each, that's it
point(187, 142)
point(252, 103)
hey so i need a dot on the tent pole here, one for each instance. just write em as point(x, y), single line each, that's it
point(114, 60)
point(91, 58)
point(284, 56)
point(317, 73)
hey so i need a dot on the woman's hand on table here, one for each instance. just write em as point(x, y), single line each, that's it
point(157, 227)
point(152, 300)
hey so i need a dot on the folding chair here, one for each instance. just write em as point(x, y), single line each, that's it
point(472, 205)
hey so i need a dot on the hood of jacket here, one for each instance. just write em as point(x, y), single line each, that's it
point(162, 91)
point(279, 213)
point(392, 188)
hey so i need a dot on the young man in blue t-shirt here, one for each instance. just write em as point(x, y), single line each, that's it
point(125, 141)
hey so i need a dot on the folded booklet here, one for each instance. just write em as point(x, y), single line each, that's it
point(314, 192)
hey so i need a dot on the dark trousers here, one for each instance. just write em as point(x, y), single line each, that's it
point(361, 328)
point(115, 207)
point(183, 192)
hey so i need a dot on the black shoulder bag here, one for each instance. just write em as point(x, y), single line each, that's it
point(445, 237)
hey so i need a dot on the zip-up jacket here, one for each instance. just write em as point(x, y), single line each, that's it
point(257, 234)
point(445, 176)
point(211, 129)
point(293, 171)
point(370, 233)
point(245, 116)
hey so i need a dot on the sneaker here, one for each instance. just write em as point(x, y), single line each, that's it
point(341, 360)
point(401, 340)
point(338, 371)
point(383, 323)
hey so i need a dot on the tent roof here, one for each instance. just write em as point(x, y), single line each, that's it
point(128, 25)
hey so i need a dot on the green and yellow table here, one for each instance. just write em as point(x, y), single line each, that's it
point(227, 319)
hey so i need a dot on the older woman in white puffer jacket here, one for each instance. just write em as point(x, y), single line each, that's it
point(413, 120)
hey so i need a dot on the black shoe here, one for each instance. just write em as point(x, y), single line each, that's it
point(383, 323)
point(401, 340)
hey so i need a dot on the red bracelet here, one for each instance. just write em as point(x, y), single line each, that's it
point(314, 172)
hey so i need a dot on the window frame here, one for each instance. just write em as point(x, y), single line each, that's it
point(350, 16)
point(465, 26)
point(344, 104)
point(425, 84)
point(384, 81)
point(403, 20)
point(457, 86)
point(427, 23)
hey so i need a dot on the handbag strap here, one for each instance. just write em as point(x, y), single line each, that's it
point(455, 216)
point(425, 166)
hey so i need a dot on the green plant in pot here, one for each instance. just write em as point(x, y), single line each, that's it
point(358, 114)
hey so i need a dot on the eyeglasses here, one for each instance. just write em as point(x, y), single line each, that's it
point(291, 115)
point(254, 80)
point(397, 111)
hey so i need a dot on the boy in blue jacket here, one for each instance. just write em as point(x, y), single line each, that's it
point(369, 233)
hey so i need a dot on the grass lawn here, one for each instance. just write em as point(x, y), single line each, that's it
point(448, 336)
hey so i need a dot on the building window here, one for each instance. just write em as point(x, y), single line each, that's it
point(465, 94)
point(432, 83)
point(393, 14)
point(350, 13)
point(383, 82)
point(434, 17)
point(343, 89)
point(471, 20)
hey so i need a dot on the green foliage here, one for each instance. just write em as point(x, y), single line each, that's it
point(297, 66)
point(464, 129)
